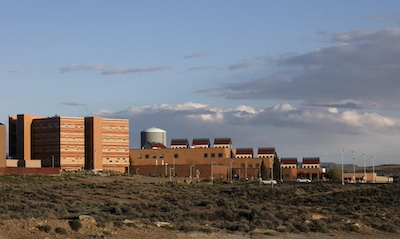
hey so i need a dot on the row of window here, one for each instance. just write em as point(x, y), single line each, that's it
point(251, 156)
point(161, 156)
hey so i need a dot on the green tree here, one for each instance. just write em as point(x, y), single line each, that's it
point(334, 174)
point(277, 168)
point(131, 167)
point(264, 174)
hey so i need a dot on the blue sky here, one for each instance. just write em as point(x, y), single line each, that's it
point(306, 77)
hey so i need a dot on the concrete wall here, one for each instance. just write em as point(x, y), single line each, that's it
point(12, 164)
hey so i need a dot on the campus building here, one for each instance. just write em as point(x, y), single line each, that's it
point(309, 168)
point(70, 143)
point(201, 159)
point(3, 153)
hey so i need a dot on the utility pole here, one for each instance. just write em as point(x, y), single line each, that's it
point(354, 166)
point(272, 174)
point(342, 150)
point(365, 170)
point(373, 169)
point(212, 172)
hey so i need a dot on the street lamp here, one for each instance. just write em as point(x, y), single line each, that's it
point(342, 150)
point(272, 174)
point(354, 166)
point(365, 171)
point(245, 174)
point(231, 172)
point(373, 169)
point(174, 167)
point(212, 172)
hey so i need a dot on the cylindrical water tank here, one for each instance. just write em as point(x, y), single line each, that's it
point(153, 134)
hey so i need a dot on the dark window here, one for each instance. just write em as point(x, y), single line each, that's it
point(205, 155)
point(154, 156)
point(242, 165)
point(146, 156)
point(176, 156)
point(212, 155)
point(250, 165)
point(219, 155)
point(161, 156)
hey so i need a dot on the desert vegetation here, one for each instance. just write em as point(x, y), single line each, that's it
point(201, 206)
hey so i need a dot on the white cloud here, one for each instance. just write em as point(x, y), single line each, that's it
point(284, 107)
point(111, 70)
point(121, 70)
point(83, 67)
point(293, 130)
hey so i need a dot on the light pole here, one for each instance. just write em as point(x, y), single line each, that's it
point(245, 174)
point(166, 169)
point(354, 166)
point(373, 169)
point(342, 150)
point(174, 167)
point(272, 174)
point(212, 172)
point(231, 172)
point(52, 161)
point(365, 171)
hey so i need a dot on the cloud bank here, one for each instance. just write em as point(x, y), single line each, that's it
point(298, 131)
point(359, 69)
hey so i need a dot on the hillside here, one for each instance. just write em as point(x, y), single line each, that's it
point(122, 207)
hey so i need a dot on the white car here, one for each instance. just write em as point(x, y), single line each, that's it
point(303, 180)
point(268, 181)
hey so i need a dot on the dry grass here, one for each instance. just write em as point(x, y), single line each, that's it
point(203, 207)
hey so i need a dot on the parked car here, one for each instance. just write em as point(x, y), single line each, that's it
point(303, 180)
point(269, 181)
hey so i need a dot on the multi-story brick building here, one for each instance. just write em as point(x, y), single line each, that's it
point(200, 159)
point(3, 153)
point(71, 143)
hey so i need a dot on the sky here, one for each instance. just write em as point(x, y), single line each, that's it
point(309, 78)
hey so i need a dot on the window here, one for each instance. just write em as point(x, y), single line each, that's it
point(161, 156)
point(205, 155)
point(242, 165)
point(212, 155)
point(139, 156)
point(146, 156)
point(250, 165)
point(176, 156)
point(219, 155)
point(154, 156)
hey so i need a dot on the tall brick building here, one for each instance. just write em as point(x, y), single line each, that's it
point(2, 145)
point(70, 142)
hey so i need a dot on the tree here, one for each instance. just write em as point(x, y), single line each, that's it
point(277, 168)
point(263, 170)
point(334, 174)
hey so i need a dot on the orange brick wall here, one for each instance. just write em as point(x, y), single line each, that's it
point(3, 153)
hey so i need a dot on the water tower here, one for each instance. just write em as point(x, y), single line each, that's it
point(153, 134)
